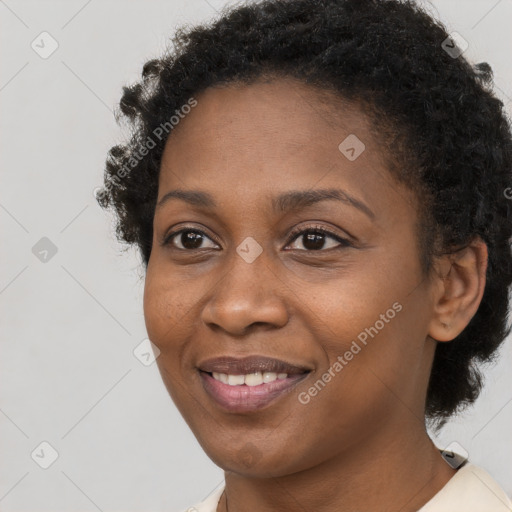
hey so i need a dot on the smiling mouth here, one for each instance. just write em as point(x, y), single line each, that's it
point(246, 393)
point(250, 383)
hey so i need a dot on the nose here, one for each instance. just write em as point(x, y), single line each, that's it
point(246, 296)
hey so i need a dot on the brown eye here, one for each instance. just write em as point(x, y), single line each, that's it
point(190, 239)
point(314, 239)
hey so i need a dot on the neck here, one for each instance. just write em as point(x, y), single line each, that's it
point(386, 475)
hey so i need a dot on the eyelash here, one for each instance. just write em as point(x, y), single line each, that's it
point(294, 235)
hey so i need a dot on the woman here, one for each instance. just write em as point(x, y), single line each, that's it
point(318, 192)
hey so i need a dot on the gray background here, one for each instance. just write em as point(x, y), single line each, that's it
point(70, 324)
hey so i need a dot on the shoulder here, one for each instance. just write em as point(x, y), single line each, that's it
point(209, 504)
point(471, 489)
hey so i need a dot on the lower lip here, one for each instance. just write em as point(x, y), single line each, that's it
point(245, 398)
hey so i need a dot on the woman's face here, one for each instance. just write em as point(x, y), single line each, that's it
point(351, 316)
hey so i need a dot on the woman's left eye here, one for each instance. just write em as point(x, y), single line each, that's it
point(315, 238)
point(312, 239)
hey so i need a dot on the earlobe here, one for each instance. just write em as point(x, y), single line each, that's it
point(459, 291)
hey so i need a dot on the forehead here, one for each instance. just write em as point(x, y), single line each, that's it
point(253, 141)
point(279, 120)
point(261, 109)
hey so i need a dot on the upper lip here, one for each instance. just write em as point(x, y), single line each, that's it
point(250, 364)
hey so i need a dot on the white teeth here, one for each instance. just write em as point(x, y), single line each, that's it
point(251, 379)
point(220, 376)
point(235, 380)
point(254, 379)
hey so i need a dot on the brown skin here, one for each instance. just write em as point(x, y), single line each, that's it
point(360, 443)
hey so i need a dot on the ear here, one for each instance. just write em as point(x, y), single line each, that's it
point(459, 288)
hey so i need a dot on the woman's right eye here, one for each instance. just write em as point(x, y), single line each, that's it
point(190, 239)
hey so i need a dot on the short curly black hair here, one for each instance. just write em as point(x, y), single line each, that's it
point(448, 136)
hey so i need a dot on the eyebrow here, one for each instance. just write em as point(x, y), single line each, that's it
point(289, 201)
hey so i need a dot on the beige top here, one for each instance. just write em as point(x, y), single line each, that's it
point(471, 489)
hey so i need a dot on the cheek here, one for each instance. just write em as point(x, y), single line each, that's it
point(165, 315)
point(371, 329)
point(374, 370)
point(346, 308)
point(165, 309)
